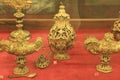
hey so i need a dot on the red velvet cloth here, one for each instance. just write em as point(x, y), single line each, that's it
point(81, 66)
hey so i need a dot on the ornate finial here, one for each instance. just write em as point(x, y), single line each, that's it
point(62, 15)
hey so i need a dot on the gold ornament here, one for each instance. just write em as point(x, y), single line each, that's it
point(116, 29)
point(105, 47)
point(42, 62)
point(62, 35)
point(18, 41)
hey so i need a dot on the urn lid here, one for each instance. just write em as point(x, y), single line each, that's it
point(62, 15)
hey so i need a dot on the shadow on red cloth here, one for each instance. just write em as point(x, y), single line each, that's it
point(81, 66)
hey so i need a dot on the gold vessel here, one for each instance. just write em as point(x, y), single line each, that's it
point(62, 35)
point(18, 41)
point(116, 29)
point(105, 47)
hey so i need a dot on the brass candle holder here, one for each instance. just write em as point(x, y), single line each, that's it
point(105, 47)
point(116, 29)
point(62, 35)
point(18, 41)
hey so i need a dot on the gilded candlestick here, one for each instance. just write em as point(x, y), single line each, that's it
point(18, 41)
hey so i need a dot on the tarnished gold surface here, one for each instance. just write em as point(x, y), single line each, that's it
point(116, 29)
point(105, 47)
point(17, 43)
point(62, 35)
point(42, 62)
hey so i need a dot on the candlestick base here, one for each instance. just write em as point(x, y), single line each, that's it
point(104, 68)
point(21, 71)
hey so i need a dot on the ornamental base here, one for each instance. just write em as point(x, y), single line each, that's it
point(104, 69)
point(61, 56)
point(21, 71)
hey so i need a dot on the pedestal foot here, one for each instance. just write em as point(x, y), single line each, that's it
point(104, 69)
point(21, 71)
point(61, 56)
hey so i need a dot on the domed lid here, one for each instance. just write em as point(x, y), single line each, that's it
point(62, 15)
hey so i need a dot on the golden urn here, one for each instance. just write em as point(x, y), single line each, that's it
point(62, 35)
point(105, 47)
point(18, 41)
